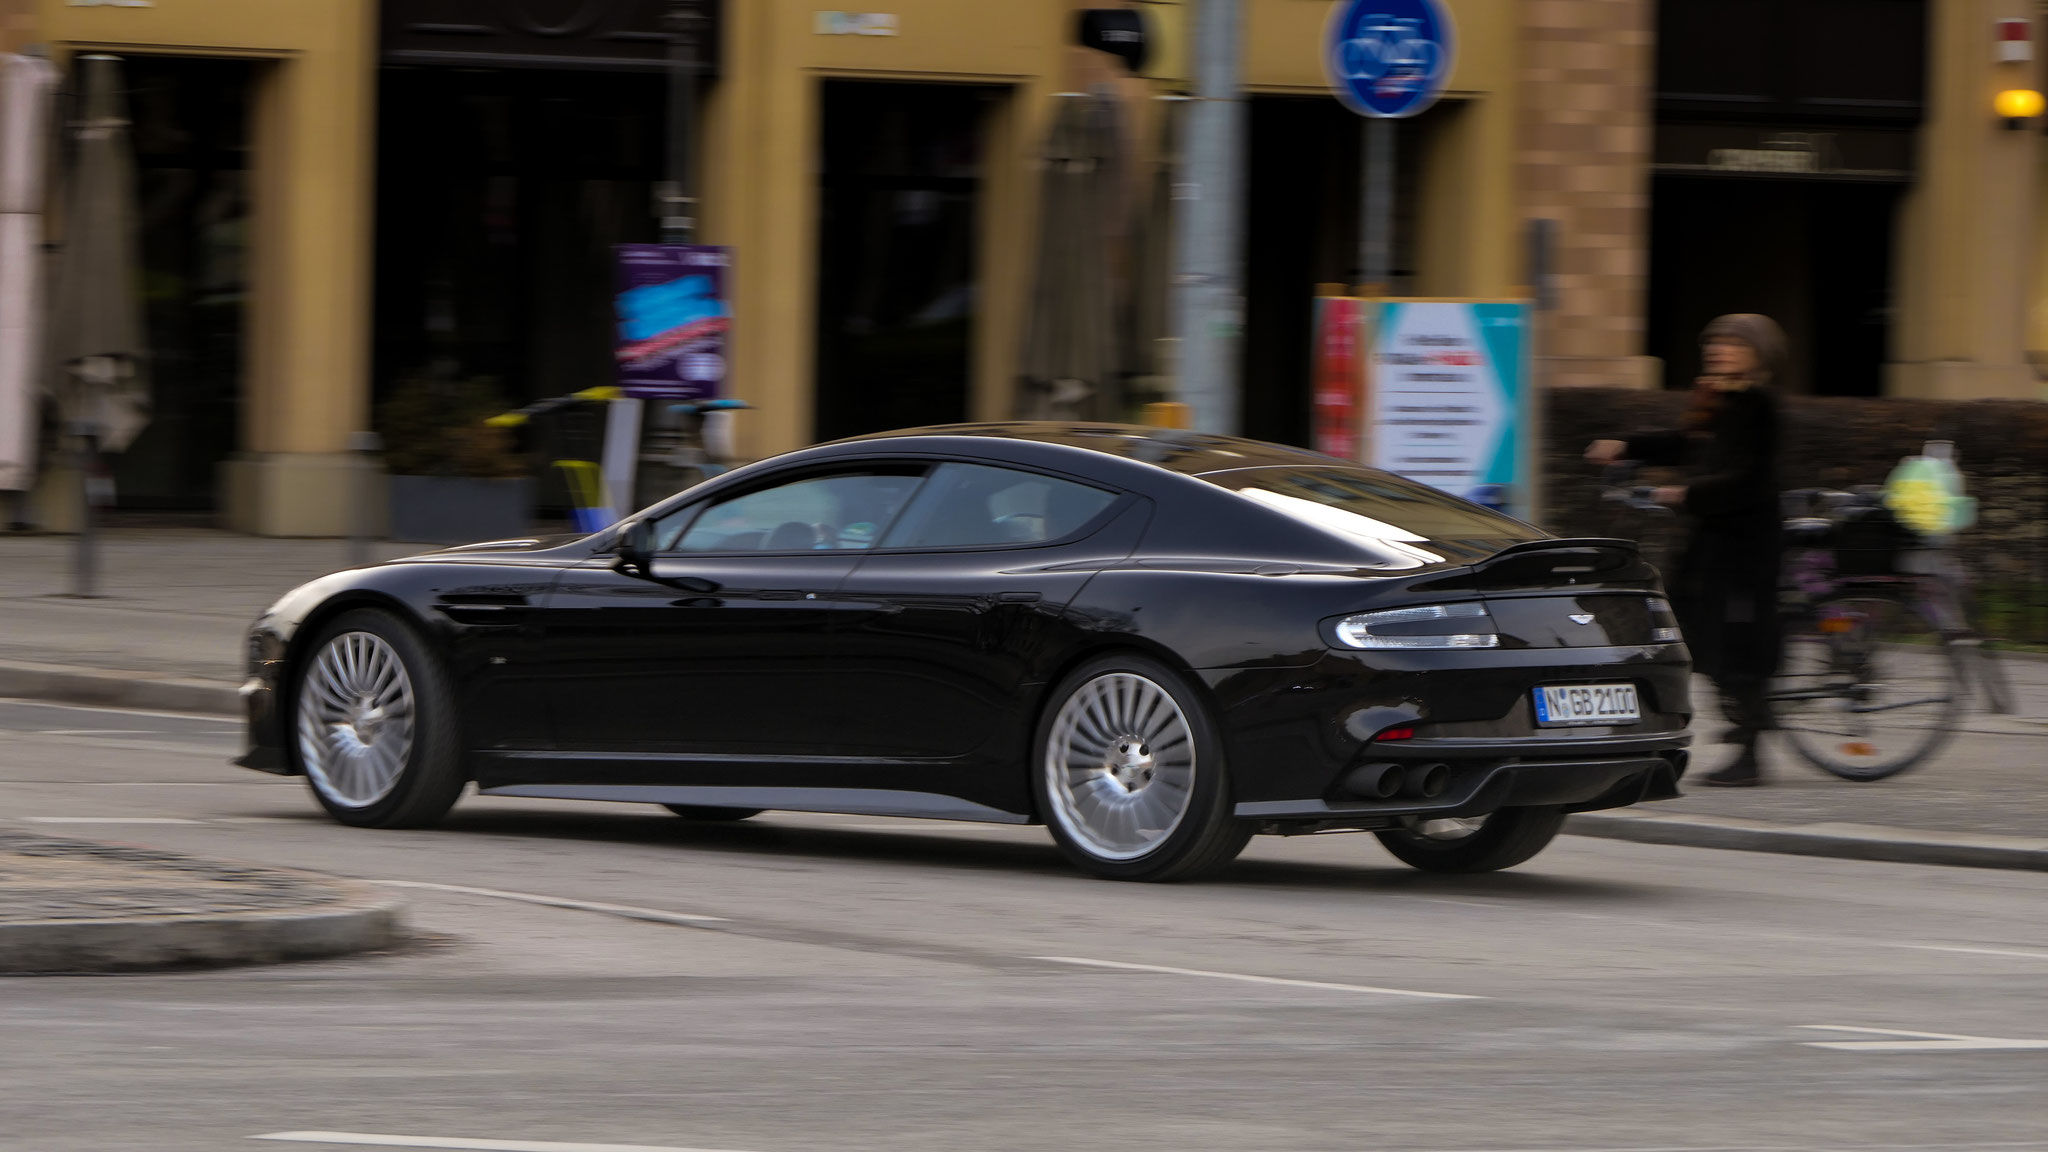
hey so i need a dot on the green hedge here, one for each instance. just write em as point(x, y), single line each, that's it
point(2001, 447)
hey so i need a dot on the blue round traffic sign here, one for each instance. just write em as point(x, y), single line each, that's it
point(1389, 58)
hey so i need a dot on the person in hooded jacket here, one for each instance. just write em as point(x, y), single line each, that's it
point(1724, 585)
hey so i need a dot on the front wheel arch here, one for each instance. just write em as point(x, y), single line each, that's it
point(431, 771)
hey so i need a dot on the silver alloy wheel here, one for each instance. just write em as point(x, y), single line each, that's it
point(1451, 828)
point(355, 719)
point(1120, 766)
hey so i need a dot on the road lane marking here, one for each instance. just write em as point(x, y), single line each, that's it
point(97, 732)
point(1250, 979)
point(382, 1140)
point(2024, 955)
point(109, 820)
point(628, 911)
point(1919, 1042)
point(209, 717)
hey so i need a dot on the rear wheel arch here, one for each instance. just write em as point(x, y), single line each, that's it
point(1203, 835)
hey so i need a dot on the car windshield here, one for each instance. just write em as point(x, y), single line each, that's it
point(1400, 523)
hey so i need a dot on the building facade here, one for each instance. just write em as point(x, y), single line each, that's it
point(350, 195)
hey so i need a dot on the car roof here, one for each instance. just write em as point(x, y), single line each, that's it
point(1172, 449)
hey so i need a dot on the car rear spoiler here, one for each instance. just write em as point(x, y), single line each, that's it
point(1589, 561)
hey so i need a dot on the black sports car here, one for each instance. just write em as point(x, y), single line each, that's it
point(1156, 642)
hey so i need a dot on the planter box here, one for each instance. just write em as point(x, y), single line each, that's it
point(459, 509)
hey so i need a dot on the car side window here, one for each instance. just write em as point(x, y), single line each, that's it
point(819, 512)
point(979, 506)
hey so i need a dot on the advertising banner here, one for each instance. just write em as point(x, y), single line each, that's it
point(1339, 367)
point(673, 317)
point(1448, 398)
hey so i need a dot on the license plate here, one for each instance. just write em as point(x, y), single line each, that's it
point(1587, 704)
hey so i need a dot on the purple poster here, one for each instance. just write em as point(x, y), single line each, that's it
point(673, 318)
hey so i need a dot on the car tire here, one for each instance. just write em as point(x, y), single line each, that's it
point(1502, 840)
point(373, 724)
point(710, 815)
point(1149, 801)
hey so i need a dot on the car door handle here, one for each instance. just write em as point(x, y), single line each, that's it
point(1017, 597)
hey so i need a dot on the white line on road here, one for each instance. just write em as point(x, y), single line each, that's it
point(1921, 1042)
point(96, 732)
point(209, 717)
point(155, 783)
point(656, 915)
point(2024, 955)
point(110, 820)
point(1249, 979)
point(381, 1140)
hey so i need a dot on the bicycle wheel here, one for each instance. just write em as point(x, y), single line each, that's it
point(1868, 687)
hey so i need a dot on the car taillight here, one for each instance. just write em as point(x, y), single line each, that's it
point(1426, 626)
point(1663, 622)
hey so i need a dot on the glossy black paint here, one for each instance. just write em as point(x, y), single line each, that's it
point(910, 682)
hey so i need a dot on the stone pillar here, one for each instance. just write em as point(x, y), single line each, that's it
point(761, 196)
point(1966, 265)
point(306, 383)
point(1584, 159)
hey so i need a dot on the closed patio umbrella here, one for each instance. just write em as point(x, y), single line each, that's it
point(96, 342)
point(26, 85)
point(1069, 363)
point(1148, 326)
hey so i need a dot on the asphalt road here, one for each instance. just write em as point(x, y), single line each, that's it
point(803, 983)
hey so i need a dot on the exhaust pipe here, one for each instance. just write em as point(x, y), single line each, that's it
point(1374, 781)
point(1427, 782)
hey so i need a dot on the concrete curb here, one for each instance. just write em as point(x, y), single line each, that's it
point(70, 685)
point(1844, 841)
point(360, 919)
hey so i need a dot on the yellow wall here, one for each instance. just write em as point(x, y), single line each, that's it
point(1967, 261)
point(761, 145)
point(309, 337)
point(761, 168)
point(17, 24)
point(306, 381)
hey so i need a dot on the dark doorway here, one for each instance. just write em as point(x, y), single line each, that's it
point(500, 193)
point(191, 132)
point(1815, 256)
point(1302, 208)
point(898, 231)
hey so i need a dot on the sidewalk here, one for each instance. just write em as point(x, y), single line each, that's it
point(169, 635)
point(176, 601)
point(70, 906)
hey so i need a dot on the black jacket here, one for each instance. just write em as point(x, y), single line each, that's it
point(1725, 586)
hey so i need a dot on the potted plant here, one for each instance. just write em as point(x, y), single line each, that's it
point(453, 478)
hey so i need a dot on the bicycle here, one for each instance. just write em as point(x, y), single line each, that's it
point(570, 436)
point(1878, 653)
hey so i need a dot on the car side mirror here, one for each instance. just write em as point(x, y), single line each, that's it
point(636, 548)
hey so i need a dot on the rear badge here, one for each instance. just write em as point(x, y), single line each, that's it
point(1582, 617)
